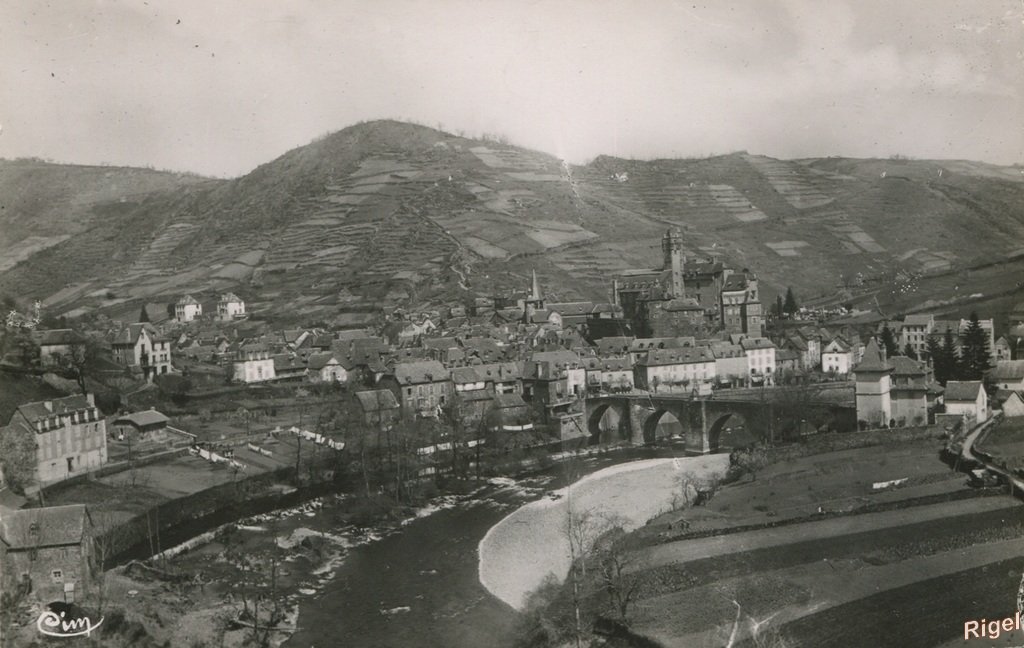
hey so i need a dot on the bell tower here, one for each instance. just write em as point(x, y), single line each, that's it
point(672, 251)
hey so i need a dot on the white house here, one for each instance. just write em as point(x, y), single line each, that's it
point(967, 398)
point(675, 369)
point(760, 354)
point(187, 309)
point(253, 363)
point(69, 436)
point(324, 367)
point(140, 348)
point(837, 357)
point(230, 306)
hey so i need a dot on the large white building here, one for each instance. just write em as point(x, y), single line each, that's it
point(70, 436)
point(675, 369)
point(187, 309)
point(230, 307)
point(253, 363)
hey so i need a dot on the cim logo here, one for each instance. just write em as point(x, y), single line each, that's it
point(66, 620)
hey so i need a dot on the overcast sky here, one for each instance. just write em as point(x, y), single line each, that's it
point(219, 88)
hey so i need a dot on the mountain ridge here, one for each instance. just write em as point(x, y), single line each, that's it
point(386, 213)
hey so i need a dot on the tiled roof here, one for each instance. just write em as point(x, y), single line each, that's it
point(53, 337)
point(464, 375)
point(143, 418)
point(506, 401)
point(756, 343)
point(375, 400)
point(873, 359)
point(39, 410)
point(421, 371)
point(1008, 370)
point(962, 391)
point(690, 355)
point(318, 361)
point(45, 527)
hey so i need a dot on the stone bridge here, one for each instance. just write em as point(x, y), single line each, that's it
point(637, 418)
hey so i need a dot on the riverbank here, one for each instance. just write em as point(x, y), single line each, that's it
point(527, 546)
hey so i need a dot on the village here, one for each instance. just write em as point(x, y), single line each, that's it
point(452, 390)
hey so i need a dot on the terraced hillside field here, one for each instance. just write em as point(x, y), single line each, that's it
point(385, 213)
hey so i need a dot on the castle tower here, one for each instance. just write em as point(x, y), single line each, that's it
point(873, 382)
point(672, 251)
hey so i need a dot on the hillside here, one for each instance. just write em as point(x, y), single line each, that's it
point(385, 213)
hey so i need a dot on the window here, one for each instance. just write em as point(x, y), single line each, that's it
point(57, 576)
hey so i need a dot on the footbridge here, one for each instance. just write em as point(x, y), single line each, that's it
point(635, 418)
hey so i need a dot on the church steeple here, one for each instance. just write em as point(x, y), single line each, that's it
point(535, 301)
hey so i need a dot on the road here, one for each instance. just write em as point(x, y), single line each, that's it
point(683, 551)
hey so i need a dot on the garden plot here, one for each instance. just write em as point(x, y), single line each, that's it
point(787, 248)
point(508, 159)
point(158, 254)
point(23, 249)
point(531, 176)
point(736, 203)
point(783, 177)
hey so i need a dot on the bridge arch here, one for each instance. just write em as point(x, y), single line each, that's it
point(733, 427)
point(608, 423)
point(659, 425)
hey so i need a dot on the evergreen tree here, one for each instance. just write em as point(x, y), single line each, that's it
point(779, 310)
point(975, 359)
point(889, 342)
point(947, 367)
point(143, 315)
point(908, 351)
point(790, 306)
point(933, 352)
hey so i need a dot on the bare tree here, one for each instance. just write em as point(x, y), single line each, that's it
point(621, 585)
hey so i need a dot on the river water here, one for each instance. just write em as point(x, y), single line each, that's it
point(420, 587)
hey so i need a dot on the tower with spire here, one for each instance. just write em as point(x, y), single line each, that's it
point(535, 302)
point(873, 384)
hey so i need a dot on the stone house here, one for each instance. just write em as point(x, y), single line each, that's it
point(49, 551)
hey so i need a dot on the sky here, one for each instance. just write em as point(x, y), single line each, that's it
point(219, 88)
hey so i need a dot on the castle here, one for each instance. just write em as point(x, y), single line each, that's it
point(688, 297)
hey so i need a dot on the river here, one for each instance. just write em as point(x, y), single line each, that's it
point(420, 587)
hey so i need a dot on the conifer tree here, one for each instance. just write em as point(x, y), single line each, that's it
point(790, 306)
point(889, 342)
point(975, 359)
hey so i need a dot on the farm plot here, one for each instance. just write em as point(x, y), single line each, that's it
point(157, 256)
point(736, 203)
point(787, 248)
point(790, 183)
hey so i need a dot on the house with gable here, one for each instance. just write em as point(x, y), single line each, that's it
point(187, 309)
point(140, 348)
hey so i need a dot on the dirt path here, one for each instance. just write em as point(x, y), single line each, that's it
point(696, 549)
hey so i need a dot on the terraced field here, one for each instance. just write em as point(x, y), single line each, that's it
point(382, 209)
